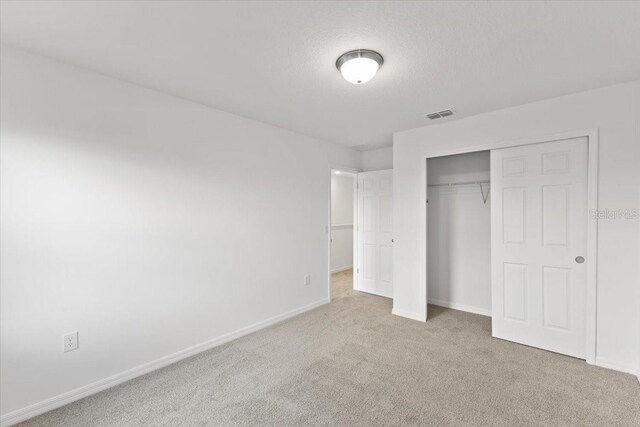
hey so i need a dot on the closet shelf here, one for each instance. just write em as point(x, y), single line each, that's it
point(450, 184)
point(485, 196)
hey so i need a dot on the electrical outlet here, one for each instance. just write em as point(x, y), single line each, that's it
point(70, 341)
point(307, 280)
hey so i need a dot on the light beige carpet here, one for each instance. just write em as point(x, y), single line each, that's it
point(353, 363)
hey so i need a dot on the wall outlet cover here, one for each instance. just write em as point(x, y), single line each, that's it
point(307, 280)
point(70, 341)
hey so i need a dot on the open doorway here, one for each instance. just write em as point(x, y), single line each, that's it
point(341, 231)
point(360, 233)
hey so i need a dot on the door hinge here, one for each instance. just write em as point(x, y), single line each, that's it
point(357, 270)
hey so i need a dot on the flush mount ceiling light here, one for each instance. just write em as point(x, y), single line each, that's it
point(359, 66)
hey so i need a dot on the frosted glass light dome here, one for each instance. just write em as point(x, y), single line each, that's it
point(359, 66)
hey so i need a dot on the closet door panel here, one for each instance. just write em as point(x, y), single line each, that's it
point(538, 221)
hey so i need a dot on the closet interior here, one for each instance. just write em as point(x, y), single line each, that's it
point(459, 232)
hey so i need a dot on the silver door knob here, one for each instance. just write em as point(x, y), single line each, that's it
point(579, 259)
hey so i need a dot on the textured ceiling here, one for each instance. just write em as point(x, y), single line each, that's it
point(274, 61)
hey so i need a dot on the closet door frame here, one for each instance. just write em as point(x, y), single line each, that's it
point(592, 223)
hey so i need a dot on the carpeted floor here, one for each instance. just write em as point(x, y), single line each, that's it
point(353, 363)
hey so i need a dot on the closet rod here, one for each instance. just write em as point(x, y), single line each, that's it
point(459, 183)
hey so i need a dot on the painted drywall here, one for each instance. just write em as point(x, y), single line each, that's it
point(379, 159)
point(147, 223)
point(459, 231)
point(341, 222)
point(273, 60)
point(615, 112)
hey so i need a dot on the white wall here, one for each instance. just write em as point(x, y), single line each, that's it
point(615, 111)
point(459, 230)
point(147, 223)
point(341, 222)
point(378, 159)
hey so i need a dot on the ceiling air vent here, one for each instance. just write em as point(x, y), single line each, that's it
point(440, 114)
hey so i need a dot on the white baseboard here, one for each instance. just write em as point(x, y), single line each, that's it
point(89, 389)
point(617, 366)
point(339, 269)
point(407, 314)
point(461, 307)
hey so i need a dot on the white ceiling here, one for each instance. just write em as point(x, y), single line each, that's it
point(274, 61)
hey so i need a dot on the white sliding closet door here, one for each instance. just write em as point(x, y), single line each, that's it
point(538, 241)
point(375, 251)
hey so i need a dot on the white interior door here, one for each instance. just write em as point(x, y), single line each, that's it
point(375, 251)
point(538, 234)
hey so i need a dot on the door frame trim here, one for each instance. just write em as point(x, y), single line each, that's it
point(354, 173)
point(592, 222)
